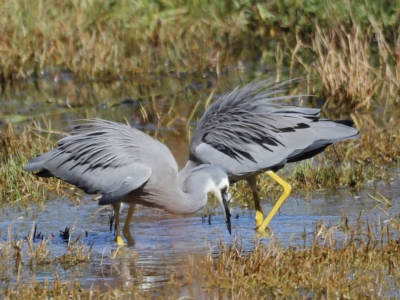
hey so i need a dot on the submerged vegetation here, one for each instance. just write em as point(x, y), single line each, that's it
point(356, 258)
point(352, 267)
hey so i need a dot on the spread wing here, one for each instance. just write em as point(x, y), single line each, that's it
point(102, 157)
point(250, 130)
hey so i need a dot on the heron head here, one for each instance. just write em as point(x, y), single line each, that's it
point(212, 179)
point(222, 194)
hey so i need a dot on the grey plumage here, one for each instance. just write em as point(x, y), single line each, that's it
point(252, 130)
point(124, 164)
point(245, 132)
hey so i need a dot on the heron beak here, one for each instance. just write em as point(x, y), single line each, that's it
point(227, 213)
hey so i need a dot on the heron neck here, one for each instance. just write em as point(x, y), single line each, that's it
point(193, 189)
point(191, 202)
point(184, 173)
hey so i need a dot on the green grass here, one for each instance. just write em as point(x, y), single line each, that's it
point(349, 47)
point(19, 187)
point(101, 38)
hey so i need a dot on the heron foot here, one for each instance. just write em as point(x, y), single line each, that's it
point(259, 217)
point(263, 231)
point(119, 241)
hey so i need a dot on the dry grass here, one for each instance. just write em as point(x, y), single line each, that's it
point(378, 145)
point(354, 53)
point(102, 38)
point(23, 261)
point(357, 67)
point(351, 47)
point(33, 252)
point(352, 259)
point(364, 263)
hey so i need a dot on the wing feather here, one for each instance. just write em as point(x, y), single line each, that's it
point(251, 129)
point(102, 157)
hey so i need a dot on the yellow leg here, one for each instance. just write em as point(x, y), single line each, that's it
point(286, 192)
point(126, 231)
point(259, 217)
point(118, 238)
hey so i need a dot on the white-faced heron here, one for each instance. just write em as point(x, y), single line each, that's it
point(251, 130)
point(126, 165)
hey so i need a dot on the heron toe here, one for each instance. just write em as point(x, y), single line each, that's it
point(119, 241)
point(265, 232)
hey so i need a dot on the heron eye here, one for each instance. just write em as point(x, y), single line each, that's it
point(224, 190)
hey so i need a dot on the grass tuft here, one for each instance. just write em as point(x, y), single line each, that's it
point(17, 186)
point(364, 262)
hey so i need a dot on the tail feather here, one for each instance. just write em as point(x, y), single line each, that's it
point(330, 134)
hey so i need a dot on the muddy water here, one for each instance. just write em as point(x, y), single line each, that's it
point(165, 244)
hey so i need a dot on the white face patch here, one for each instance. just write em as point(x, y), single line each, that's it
point(211, 187)
point(224, 183)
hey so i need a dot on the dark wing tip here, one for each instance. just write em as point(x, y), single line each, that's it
point(349, 123)
point(44, 173)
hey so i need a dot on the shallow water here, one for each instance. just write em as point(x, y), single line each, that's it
point(165, 244)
